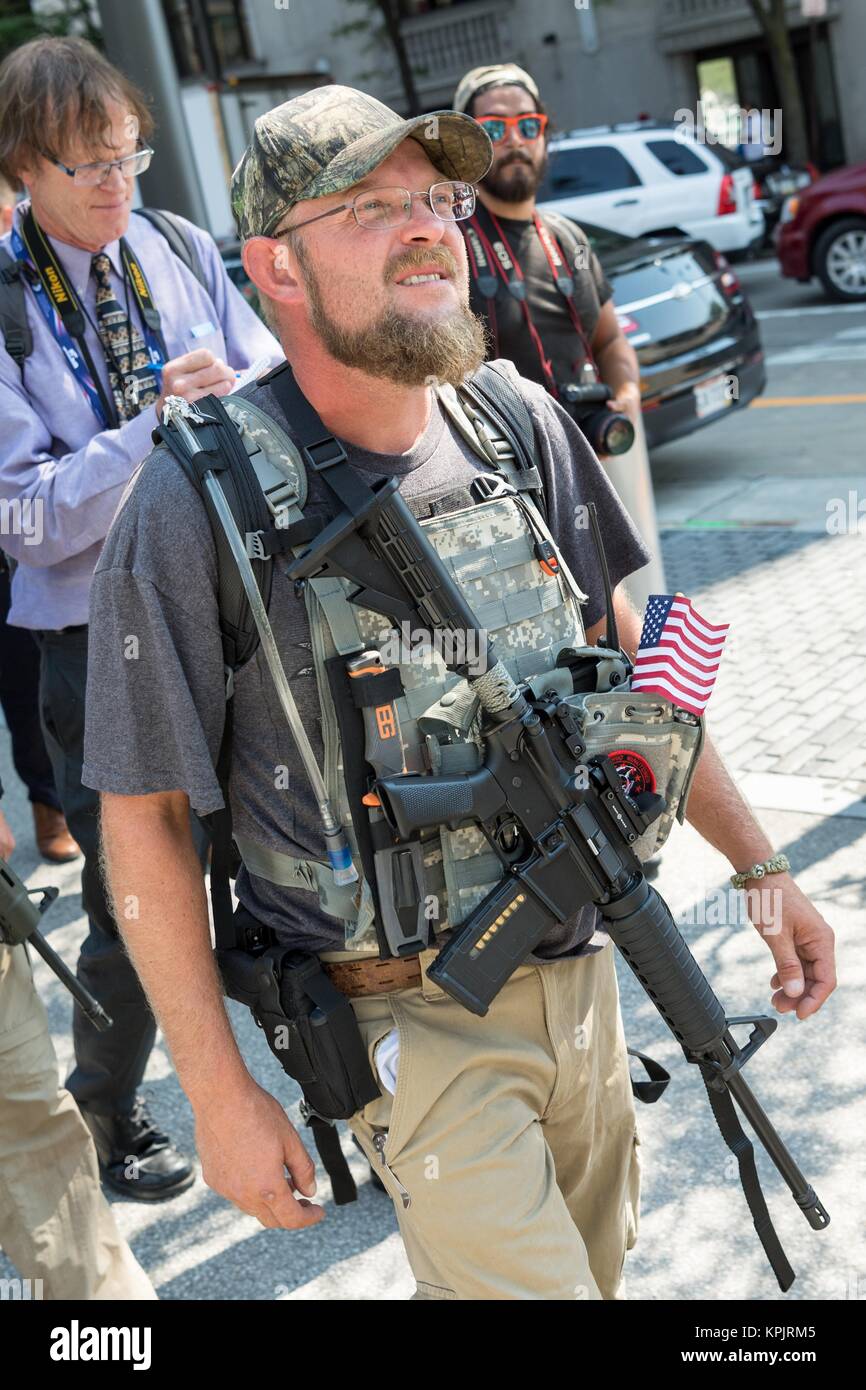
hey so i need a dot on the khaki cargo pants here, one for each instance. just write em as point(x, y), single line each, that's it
point(511, 1151)
point(55, 1224)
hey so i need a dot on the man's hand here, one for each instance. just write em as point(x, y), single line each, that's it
point(801, 942)
point(194, 375)
point(7, 839)
point(245, 1141)
point(627, 401)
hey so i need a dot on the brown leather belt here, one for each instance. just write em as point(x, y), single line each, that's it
point(353, 977)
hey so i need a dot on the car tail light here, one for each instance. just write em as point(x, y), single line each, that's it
point(813, 171)
point(727, 279)
point(756, 190)
point(727, 196)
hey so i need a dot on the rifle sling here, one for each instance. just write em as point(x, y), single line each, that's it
point(737, 1141)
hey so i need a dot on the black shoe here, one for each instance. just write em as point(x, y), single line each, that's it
point(136, 1158)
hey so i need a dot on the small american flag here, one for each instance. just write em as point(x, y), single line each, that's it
point(679, 652)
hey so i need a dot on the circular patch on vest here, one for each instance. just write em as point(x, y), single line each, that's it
point(634, 771)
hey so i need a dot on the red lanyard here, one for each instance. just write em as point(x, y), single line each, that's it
point(490, 254)
point(563, 281)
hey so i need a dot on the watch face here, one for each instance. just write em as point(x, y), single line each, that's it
point(633, 770)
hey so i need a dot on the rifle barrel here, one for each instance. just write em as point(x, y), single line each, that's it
point(90, 1006)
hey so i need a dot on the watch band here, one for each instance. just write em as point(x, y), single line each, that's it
point(779, 864)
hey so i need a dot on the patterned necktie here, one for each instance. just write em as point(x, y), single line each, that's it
point(137, 385)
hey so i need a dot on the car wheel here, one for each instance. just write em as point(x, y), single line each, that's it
point(839, 259)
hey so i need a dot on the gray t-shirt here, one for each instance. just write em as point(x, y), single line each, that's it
point(155, 684)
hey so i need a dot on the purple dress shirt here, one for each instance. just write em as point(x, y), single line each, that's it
point(61, 474)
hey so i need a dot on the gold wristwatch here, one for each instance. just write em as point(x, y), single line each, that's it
point(777, 865)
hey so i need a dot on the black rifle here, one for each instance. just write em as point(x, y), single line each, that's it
point(19, 922)
point(564, 840)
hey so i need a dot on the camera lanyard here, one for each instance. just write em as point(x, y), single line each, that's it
point(67, 318)
point(490, 254)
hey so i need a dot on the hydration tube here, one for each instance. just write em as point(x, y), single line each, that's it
point(179, 413)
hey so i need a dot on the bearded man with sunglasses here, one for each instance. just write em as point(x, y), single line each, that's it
point(101, 319)
point(544, 298)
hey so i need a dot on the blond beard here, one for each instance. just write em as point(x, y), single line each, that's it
point(406, 350)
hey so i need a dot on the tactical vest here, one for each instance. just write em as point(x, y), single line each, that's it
point(490, 548)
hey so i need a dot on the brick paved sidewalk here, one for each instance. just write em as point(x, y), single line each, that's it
point(787, 699)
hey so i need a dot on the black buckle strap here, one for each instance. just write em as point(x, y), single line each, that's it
point(649, 1091)
point(276, 540)
point(326, 1138)
point(370, 691)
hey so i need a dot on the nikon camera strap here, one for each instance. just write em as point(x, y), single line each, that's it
point(35, 262)
point(59, 306)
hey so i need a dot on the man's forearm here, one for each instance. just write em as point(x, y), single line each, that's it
point(158, 893)
point(720, 813)
point(618, 364)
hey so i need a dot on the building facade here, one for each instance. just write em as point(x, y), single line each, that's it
point(596, 61)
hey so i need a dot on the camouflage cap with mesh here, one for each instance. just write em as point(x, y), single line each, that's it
point(496, 75)
point(328, 139)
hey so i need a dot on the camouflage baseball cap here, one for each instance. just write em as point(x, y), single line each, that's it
point(497, 75)
point(327, 139)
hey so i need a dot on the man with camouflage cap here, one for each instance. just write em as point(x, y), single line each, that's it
point(507, 1143)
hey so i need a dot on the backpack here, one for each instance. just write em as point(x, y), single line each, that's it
point(13, 307)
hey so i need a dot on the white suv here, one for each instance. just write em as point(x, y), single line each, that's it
point(643, 179)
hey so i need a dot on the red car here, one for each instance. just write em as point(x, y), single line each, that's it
point(823, 232)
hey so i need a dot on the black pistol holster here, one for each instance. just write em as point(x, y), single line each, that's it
point(312, 1031)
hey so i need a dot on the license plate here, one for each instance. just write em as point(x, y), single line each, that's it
point(711, 395)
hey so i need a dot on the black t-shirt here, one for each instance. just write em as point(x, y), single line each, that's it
point(561, 342)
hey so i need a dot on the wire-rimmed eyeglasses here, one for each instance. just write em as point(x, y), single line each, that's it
point(381, 208)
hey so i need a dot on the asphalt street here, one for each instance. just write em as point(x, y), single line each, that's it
point(743, 506)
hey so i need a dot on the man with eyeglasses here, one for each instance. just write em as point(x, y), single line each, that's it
point(537, 283)
point(507, 1143)
point(101, 320)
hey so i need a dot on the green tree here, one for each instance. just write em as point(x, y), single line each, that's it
point(770, 14)
point(18, 23)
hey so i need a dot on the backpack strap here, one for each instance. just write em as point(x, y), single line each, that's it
point(492, 416)
point(226, 454)
point(179, 240)
point(13, 310)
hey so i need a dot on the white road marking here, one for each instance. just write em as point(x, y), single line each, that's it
point(811, 309)
point(816, 354)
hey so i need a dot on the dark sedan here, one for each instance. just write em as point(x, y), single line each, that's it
point(685, 313)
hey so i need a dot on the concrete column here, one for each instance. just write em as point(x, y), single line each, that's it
point(137, 42)
point(630, 475)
